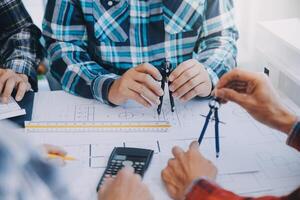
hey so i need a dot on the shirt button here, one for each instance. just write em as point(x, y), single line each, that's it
point(109, 3)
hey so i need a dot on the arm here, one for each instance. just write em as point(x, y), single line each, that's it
point(67, 43)
point(216, 53)
point(183, 178)
point(217, 49)
point(255, 93)
point(19, 37)
point(204, 190)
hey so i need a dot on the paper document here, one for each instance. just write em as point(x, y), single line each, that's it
point(254, 159)
point(11, 109)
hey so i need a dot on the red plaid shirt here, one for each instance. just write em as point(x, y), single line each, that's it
point(204, 190)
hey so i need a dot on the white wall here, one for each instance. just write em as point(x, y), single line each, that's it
point(36, 9)
point(249, 12)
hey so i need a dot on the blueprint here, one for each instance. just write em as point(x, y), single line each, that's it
point(254, 159)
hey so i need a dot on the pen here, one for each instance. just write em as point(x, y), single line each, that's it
point(66, 158)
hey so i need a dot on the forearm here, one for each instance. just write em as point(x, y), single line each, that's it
point(217, 49)
point(78, 74)
point(285, 120)
point(20, 47)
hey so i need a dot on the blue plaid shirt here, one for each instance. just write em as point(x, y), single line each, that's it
point(25, 175)
point(92, 42)
point(20, 49)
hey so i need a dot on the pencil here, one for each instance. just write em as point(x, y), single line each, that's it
point(66, 158)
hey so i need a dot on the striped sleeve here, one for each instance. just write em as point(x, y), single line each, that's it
point(66, 40)
point(217, 49)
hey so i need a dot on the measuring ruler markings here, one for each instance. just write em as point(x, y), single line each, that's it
point(159, 126)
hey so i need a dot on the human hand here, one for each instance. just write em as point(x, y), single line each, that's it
point(140, 84)
point(185, 168)
point(255, 93)
point(126, 185)
point(190, 79)
point(9, 80)
point(52, 149)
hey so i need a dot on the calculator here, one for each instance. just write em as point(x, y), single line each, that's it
point(121, 157)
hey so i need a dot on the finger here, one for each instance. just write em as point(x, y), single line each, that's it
point(4, 77)
point(107, 183)
point(167, 177)
point(143, 91)
point(150, 83)
point(232, 95)
point(125, 172)
point(138, 98)
point(149, 69)
point(177, 152)
point(22, 89)
point(184, 78)
point(2, 71)
point(201, 90)
point(188, 86)
point(8, 89)
point(235, 75)
point(194, 146)
point(181, 68)
point(171, 189)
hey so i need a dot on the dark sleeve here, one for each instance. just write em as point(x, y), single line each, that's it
point(20, 48)
point(294, 138)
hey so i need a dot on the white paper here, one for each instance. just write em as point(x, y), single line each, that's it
point(254, 159)
point(11, 109)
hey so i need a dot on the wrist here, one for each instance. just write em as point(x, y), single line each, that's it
point(114, 96)
point(286, 121)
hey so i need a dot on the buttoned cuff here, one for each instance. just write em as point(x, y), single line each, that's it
point(101, 86)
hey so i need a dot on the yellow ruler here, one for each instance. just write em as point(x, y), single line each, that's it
point(100, 126)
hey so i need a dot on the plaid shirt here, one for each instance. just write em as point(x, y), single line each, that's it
point(92, 42)
point(19, 40)
point(204, 190)
point(25, 175)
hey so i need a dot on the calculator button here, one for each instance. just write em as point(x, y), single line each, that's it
point(127, 163)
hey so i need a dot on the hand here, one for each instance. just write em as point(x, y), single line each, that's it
point(139, 84)
point(190, 79)
point(254, 92)
point(9, 80)
point(51, 149)
point(126, 185)
point(185, 168)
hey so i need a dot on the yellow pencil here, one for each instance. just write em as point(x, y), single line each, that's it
point(66, 158)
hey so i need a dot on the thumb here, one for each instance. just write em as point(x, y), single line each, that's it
point(231, 95)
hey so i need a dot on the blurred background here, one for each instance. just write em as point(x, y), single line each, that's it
point(269, 39)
